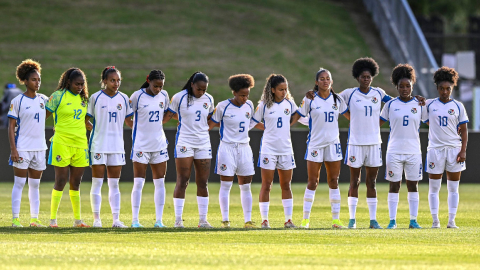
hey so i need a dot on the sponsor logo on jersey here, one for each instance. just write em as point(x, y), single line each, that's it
point(335, 107)
point(83, 104)
point(358, 100)
point(374, 100)
point(183, 149)
point(223, 167)
point(119, 107)
point(314, 153)
point(27, 108)
point(58, 158)
point(396, 110)
point(352, 159)
point(287, 111)
point(318, 107)
point(435, 110)
point(161, 105)
point(431, 165)
point(272, 112)
point(98, 156)
point(139, 154)
point(103, 107)
point(414, 110)
point(20, 160)
point(205, 105)
point(265, 160)
point(247, 115)
point(69, 104)
point(451, 111)
point(390, 173)
point(11, 107)
point(42, 106)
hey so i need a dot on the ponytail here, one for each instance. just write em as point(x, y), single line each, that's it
point(155, 74)
point(104, 75)
point(315, 88)
point(196, 77)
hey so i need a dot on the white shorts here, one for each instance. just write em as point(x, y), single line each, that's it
point(234, 158)
point(364, 155)
point(35, 160)
point(150, 157)
point(272, 162)
point(441, 159)
point(329, 153)
point(196, 153)
point(396, 164)
point(107, 159)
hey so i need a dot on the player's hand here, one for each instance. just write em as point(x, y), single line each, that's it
point(14, 155)
point(310, 94)
point(462, 156)
point(421, 100)
point(459, 131)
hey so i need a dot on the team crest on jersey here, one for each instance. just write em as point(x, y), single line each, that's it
point(98, 156)
point(390, 173)
point(223, 167)
point(119, 106)
point(352, 159)
point(414, 110)
point(431, 165)
point(247, 115)
point(183, 149)
point(374, 100)
point(42, 106)
point(205, 105)
point(139, 154)
point(287, 111)
point(58, 158)
point(451, 111)
point(265, 160)
point(314, 153)
point(20, 160)
point(161, 105)
point(335, 107)
point(11, 107)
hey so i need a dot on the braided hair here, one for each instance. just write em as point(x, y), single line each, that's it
point(106, 71)
point(198, 76)
point(273, 81)
point(70, 75)
point(26, 68)
point(155, 74)
point(315, 88)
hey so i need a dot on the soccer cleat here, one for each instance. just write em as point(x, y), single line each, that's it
point(250, 225)
point(34, 222)
point(289, 225)
point(16, 223)
point(178, 224)
point(393, 224)
point(436, 224)
point(97, 223)
point(53, 223)
point(352, 224)
point(414, 224)
point(266, 224)
point(374, 225)
point(337, 224)
point(118, 224)
point(80, 224)
point(451, 225)
point(159, 224)
point(305, 223)
point(204, 225)
point(136, 224)
point(226, 224)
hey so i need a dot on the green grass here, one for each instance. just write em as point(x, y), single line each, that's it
point(191, 248)
point(220, 38)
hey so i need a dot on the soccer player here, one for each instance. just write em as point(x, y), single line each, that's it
point(69, 147)
point(403, 151)
point(26, 134)
point(446, 148)
point(234, 155)
point(193, 107)
point(274, 113)
point(149, 145)
point(323, 144)
point(109, 109)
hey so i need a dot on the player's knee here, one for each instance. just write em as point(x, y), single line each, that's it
point(286, 186)
point(312, 184)
point(371, 185)
point(394, 187)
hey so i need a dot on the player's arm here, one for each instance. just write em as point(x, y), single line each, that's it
point(12, 123)
point(260, 126)
point(47, 114)
point(462, 156)
point(88, 124)
point(129, 121)
point(421, 100)
point(382, 122)
point(212, 124)
point(168, 115)
point(347, 115)
point(310, 94)
point(294, 118)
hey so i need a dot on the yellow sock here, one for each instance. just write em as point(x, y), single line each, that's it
point(75, 199)
point(56, 198)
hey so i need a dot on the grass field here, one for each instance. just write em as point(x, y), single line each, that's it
point(192, 248)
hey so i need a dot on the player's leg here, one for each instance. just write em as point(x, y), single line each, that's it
point(61, 179)
point(453, 181)
point(354, 158)
point(76, 174)
point(245, 183)
point(413, 200)
point(435, 166)
point(98, 172)
point(158, 172)
point(184, 168)
point(313, 172)
point(394, 168)
point(226, 166)
point(139, 173)
point(114, 195)
point(202, 172)
point(370, 180)
point(285, 179)
point(333, 174)
point(264, 195)
point(34, 177)
point(20, 178)
point(226, 183)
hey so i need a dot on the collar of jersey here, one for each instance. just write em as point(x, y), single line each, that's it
point(404, 101)
point(236, 105)
point(108, 95)
point(445, 102)
point(279, 102)
point(143, 89)
point(30, 97)
point(369, 89)
point(71, 92)
point(316, 93)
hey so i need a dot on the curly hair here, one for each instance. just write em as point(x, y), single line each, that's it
point(155, 74)
point(70, 75)
point(273, 81)
point(365, 64)
point(26, 68)
point(403, 71)
point(196, 77)
point(241, 81)
point(105, 72)
point(445, 74)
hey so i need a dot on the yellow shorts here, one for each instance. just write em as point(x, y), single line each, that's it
point(62, 156)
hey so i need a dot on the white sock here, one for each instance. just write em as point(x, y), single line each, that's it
point(178, 204)
point(453, 198)
point(247, 201)
point(288, 208)
point(34, 196)
point(413, 199)
point(335, 199)
point(308, 199)
point(352, 206)
point(372, 208)
point(18, 184)
point(96, 196)
point(202, 208)
point(114, 197)
point(393, 199)
point(137, 197)
point(224, 198)
point(159, 197)
point(264, 210)
point(434, 186)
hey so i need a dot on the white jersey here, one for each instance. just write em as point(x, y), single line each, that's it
point(444, 119)
point(364, 114)
point(234, 121)
point(322, 119)
point(192, 130)
point(30, 116)
point(108, 114)
point(148, 111)
point(405, 119)
point(276, 138)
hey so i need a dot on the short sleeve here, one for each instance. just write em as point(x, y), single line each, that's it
point(14, 108)
point(174, 102)
point(218, 112)
point(384, 115)
point(167, 101)
point(128, 110)
point(133, 101)
point(294, 107)
point(258, 115)
point(462, 117)
point(383, 95)
point(91, 107)
point(210, 110)
point(345, 94)
point(54, 101)
point(304, 107)
point(343, 108)
point(425, 110)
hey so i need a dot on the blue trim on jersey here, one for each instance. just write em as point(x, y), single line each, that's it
point(126, 104)
point(50, 154)
point(300, 114)
point(144, 91)
point(174, 112)
point(348, 103)
point(344, 111)
point(134, 133)
point(260, 152)
point(70, 93)
point(234, 104)
point(369, 89)
point(316, 94)
point(383, 119)
point(255, 120)
point(398, 98)
point(96, 99)
point(216, 160)
point(214, 121)
point(129, 115)
point(249, 105)
point(221, 121)
point(89, 115)
point(464, 122)
point(163, 94)
point(346, 151)
point(107, 95)
point(48, 109)
point(29, 97)
point(13, 117)
point(18, 119)
point(426, 162)
point(278, 102)
point(179, 124)
point(90, 142)
point(445, 102)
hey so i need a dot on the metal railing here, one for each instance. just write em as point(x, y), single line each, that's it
point(404, 39)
